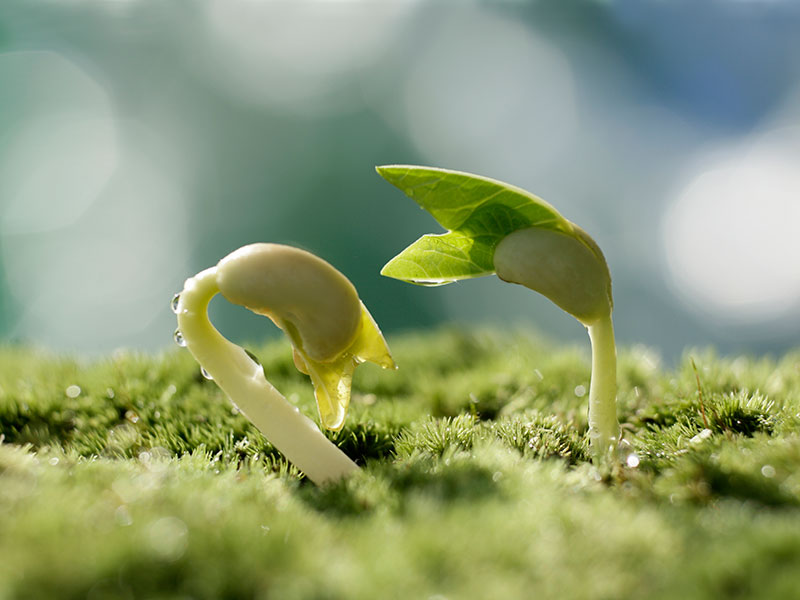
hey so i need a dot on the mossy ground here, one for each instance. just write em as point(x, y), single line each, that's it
point(132, 477)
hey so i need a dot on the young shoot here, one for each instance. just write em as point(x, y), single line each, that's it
point(493, 227)
point(330, 329)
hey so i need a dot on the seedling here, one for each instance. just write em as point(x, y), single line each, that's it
point(497, 228)
point(329, 327)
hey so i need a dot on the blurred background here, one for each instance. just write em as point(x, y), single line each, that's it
point(141, 141)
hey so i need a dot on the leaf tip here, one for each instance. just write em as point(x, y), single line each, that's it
point(391, 173)
point(389, 270)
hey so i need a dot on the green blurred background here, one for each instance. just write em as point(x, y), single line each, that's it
point(141, 141)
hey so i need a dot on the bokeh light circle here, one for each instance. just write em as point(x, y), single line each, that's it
point(489, 95)
point(731, 235)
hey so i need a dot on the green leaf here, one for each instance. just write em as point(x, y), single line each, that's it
point(471, 203)
point(477, 212)
point(440, 259)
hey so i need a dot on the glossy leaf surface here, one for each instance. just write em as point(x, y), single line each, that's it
point(477, 211)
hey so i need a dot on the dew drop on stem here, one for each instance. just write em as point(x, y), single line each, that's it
point(178, 337)
point(174, 304)
point(206, 374)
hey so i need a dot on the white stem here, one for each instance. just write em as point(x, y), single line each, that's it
point(603, 424)
point(242, 379)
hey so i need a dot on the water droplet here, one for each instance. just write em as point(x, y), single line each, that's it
point(768, 471)
point(73, 391)
point(54, 461)
point(206, 374)
point(580, 391)
point(174, 304)
point(703, 435)
point(178, 337)
point(632, 461)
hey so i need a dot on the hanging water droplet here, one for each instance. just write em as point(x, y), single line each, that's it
point(174, 304)
point(178, 337)
point(206, 374)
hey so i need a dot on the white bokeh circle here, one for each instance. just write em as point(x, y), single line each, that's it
point(731, 236)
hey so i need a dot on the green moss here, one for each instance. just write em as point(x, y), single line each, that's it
point(134, 477)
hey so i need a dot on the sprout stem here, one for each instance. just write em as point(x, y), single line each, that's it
point(243, 381)
point(603, 424)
